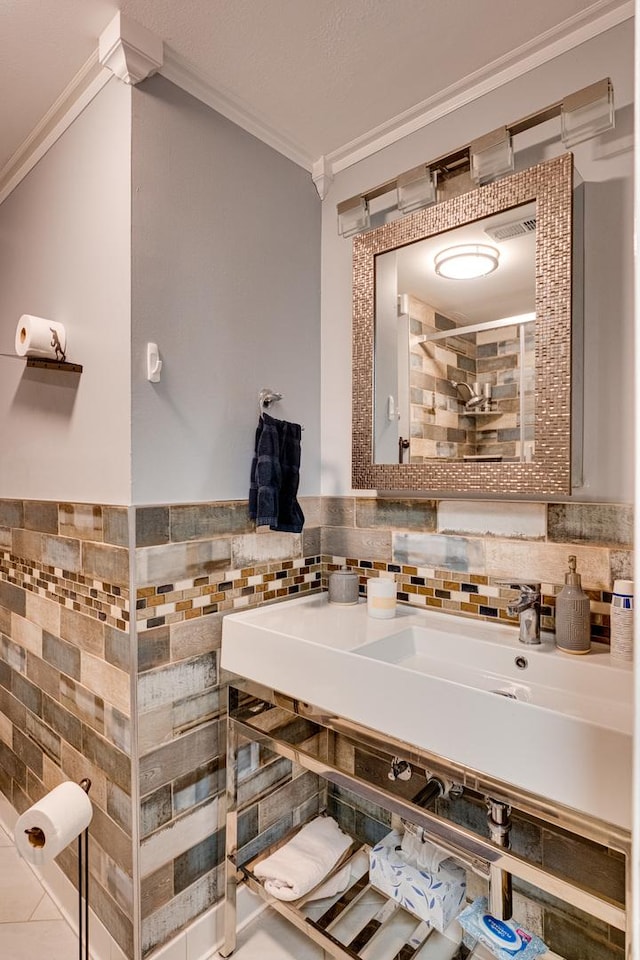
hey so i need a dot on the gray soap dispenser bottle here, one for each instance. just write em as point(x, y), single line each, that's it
point(573, 624)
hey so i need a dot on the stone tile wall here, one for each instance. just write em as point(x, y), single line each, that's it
point(67, 649)
point(441, 426)
point(498, 362)
point(437, 429)
point(65, 710)
point(193, 564)
point(450, 555)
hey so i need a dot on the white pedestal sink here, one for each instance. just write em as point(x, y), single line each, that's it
point(555, 725)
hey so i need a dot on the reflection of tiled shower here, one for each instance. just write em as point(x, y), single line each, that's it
point(449, 372)
point(505, 357)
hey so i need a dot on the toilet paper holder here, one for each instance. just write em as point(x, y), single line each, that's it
point(38, 840)
point(83, 882)
point(36, 835)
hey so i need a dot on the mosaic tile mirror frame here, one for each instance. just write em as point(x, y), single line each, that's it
point(550, 185)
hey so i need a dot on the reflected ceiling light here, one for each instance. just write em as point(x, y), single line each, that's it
point(491, 155)
point(466, 261)
point(587, 113)
point(416, 189)
point(353, 216)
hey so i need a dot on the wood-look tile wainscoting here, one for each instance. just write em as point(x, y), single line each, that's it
point(74, 645)
point(449, 555)
point(65, 700)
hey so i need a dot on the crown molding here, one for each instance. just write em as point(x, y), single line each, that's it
point(86, 84)
point(129, 50)
point(126, 50)
point(322, 176)
point(179, 71)
point(572, 32)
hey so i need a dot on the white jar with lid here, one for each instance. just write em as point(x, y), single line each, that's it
point(622, 620)
point(381, 598)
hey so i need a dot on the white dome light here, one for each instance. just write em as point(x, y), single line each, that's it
point(466, 261)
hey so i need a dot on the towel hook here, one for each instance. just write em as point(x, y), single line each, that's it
point(266, 397)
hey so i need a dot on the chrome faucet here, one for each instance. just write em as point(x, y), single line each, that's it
point(527, 607)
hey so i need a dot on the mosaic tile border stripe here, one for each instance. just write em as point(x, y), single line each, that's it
point(102, 601)
point(226, 590)
point(468, 594)
point(461, 593)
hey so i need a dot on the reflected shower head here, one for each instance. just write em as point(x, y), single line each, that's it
point(461, 383)
point(474, 399)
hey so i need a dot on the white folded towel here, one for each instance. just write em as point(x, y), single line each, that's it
point(303, 862)
point(333, 885)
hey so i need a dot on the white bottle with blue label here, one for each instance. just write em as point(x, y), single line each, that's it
point(622, 620)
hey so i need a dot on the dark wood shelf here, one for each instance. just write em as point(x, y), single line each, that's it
point(45, 363)
point(54, 364)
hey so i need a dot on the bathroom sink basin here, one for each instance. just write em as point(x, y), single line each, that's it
point(555, 725)
point(521, 673)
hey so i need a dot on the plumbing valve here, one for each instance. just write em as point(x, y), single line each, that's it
point(400, 769)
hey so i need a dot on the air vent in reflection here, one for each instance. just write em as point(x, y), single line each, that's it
point(516, 228)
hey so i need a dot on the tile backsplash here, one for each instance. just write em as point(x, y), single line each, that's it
point(74, 644)
point(451, 554)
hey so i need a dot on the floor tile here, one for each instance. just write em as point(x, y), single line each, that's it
point(53, 939)
point(5, 839)
point(20, 891)
point(46, 910)
point(270, 937)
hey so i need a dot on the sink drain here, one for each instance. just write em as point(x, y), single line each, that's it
point(505, 693)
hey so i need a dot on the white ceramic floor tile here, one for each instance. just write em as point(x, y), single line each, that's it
point(52, 939)
point(390, 940)
point(46, 910)
point(270, 937)
point(20, 891)
point(356, 917)
point(5, 840)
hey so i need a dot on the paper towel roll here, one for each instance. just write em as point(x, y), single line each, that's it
point(37, 337)
point(51, 824)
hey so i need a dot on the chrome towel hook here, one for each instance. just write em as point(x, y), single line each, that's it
point(266, 397)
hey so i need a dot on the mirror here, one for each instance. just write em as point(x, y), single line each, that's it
point(454, 344)
point(464, 383)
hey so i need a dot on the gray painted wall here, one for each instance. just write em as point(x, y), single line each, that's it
point(606, 166)
point(226, 279)
point(65, 255)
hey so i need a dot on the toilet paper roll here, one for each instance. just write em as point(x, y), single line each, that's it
point(52, 823)
point(37, 337)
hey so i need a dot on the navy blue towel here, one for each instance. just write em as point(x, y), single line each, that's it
point(275, 475)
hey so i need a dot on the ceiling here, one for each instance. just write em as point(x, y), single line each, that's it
point(319, 74)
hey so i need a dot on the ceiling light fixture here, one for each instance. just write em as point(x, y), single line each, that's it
point(416, 189)
point(583, 114)
point(466, 261)
point(491, 155)
point(587, 113)
point(353, 216)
